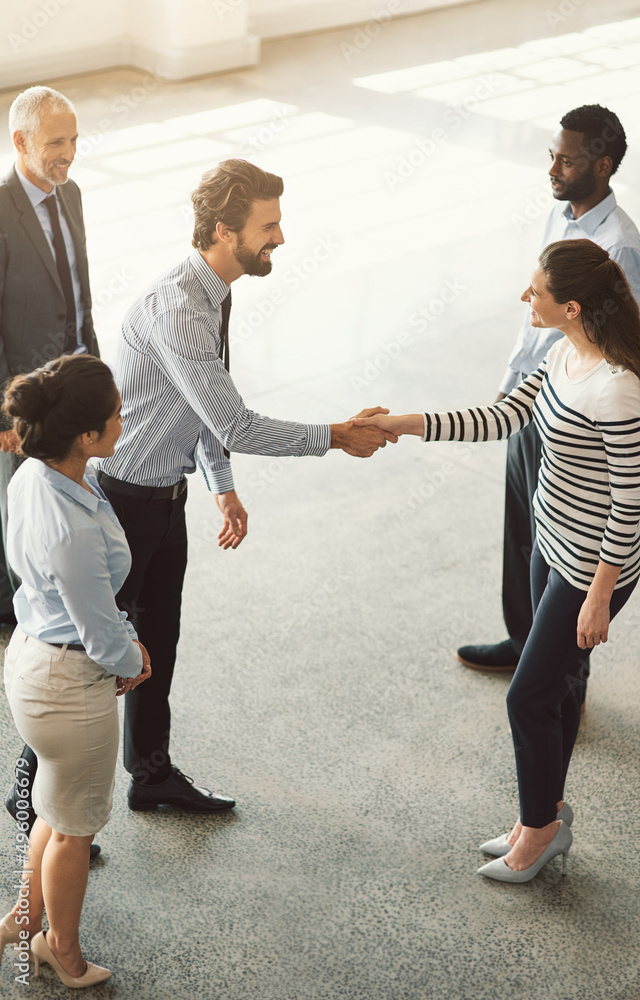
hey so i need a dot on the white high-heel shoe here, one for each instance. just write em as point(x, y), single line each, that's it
point(42, 953)
point(501, 846)
point(499, 869)
point(10, 934)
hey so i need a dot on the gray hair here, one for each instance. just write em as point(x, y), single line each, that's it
point(25, 114)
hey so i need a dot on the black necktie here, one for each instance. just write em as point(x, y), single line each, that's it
point(225, 309)
point(64, 272)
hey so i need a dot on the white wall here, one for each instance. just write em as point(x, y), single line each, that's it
point(38, 37)
point(44, 39)
point(181, 38)
point(275, 18)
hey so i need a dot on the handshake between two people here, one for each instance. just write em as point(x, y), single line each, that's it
point(370, 429)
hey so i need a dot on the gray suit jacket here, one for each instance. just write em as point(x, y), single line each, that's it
point(32, 305)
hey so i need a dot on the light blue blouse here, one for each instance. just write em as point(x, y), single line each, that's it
point(71, 553)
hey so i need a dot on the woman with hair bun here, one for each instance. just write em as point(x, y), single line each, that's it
point(73, 651)
point(585, 400)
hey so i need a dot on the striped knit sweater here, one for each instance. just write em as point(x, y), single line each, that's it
point(587, 504)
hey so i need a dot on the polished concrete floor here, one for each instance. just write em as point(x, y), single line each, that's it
point(317, 679)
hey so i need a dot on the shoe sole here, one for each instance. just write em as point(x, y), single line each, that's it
point(486, 669)
point(154, 806)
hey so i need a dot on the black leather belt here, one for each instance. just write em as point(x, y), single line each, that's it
point(142, 492)
point(70, 645)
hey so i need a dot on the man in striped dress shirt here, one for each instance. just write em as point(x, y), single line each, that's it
point(584, 153)
point(180, 405)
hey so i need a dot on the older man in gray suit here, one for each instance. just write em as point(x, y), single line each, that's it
point(45, 300)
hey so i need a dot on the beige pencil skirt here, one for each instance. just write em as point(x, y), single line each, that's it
point(64, 707)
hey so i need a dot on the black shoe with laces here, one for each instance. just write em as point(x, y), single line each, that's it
point(177, 790)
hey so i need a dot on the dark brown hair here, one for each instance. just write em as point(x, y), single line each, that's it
point(225, 194)
point(581, 271)
point(53, 405)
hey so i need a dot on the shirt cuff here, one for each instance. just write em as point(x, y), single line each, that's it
point(318, 440)
point(127, 624)
point(509, 382)
point(219, 480)
point(130, 665)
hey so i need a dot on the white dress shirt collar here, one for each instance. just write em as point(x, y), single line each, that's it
point(69, 486)
point(594, 218)
point(215, 288)
point(35, 194)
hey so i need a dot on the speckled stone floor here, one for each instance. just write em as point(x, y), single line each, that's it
point(317, 679)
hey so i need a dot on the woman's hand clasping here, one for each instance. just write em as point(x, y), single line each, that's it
point(125, 684)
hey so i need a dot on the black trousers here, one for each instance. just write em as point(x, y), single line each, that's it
point(545, 695)
point(524, 451)
point(152, 596)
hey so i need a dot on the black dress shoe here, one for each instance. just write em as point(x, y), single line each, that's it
point(176, 790)
point(94, 851)
point(500, 657)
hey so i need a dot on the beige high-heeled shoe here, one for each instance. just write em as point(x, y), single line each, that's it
point(10, 934)
point(42, 953)
point(560, 844)
point(501, 846)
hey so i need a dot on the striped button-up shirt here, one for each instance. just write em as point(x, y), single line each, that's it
point(177, 396)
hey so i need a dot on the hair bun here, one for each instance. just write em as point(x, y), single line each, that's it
point(32, 397)
point(56, 403)
point(51, 385)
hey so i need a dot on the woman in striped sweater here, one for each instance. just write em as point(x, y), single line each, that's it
point(585, 400)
